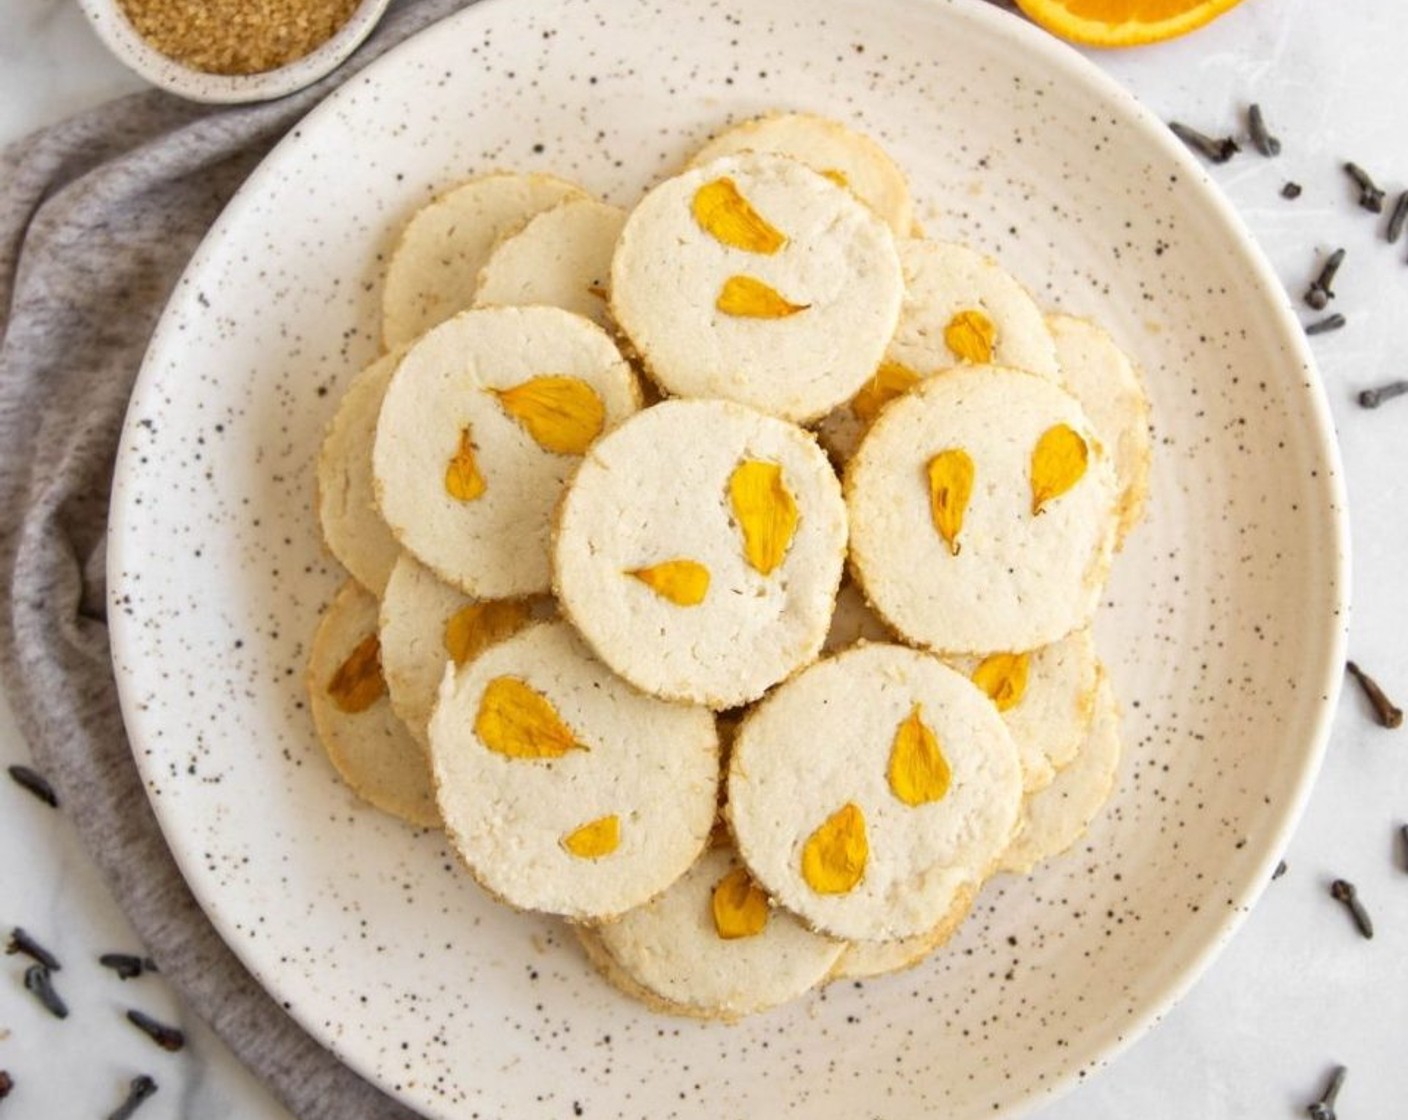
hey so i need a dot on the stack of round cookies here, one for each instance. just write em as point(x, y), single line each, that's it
point(722, 571)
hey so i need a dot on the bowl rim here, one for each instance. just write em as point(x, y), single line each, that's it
point(112, 26)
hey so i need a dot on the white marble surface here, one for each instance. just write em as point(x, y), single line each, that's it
point(1297, 990)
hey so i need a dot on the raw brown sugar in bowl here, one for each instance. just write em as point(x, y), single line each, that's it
point(237, 36)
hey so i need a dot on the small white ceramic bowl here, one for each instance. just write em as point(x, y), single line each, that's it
point(137, 54)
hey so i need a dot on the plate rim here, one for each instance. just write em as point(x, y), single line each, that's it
point(1064, 62)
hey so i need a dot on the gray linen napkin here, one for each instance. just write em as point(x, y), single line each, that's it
point(98, 217)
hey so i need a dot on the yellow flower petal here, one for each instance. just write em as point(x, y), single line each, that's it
point(890, 380)
point(950, 486)
point(562, 414)
point(463, 482)
point(358, 682)
point(723, 213)
point(474, 628)
point(970, 335)
point(765, 510)
point(747, 298)
point(594, 839)
point(1058, 463)
point(739, 906)
point(834, 856)
point(918, 771)
point(1003, 676)
point(519, 722)
point(683, 582)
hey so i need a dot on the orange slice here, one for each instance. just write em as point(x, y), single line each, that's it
point(1123, 23)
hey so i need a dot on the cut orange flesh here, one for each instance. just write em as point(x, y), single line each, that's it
point(1122, 23)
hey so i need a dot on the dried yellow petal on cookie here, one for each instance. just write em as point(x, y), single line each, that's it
point(834, 856)
point(723, 213)
point(837, 176)
point(746, 297)
point(1003, 676)
point(970, 335)
point(473, 629)
point(918, 771)
point(890, 380)
point(463, 482)
point(683, 582)
point(562, 414)
point(739, 905)
point(520, 722)
point(358, 682)
point(950, 486)
point(594, 839)
point(765, 510)
point(1058, 463)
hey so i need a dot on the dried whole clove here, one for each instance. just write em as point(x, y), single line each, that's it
point(1386, 712)
point(168, 1038)
point(1262, 140)
point(6, 1083)
point(1343, 891)
point(1320, 293)
point(1397, 219)
point(1290, 189)
point(127, 966)
point(1216, 150)
point(21, 942)
point(1372, 398)
point(1324, 1108)
point(1328, 323)
point(1370, 197)
point(38, 981)
point(36, 783)
point(141, 1088)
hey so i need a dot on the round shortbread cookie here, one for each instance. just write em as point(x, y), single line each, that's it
point(656, 499)
point(606, 966)
point(1105, 382)
point(943, 281)
point(793, 323)
point(462, 478)
point(562, 787)
point(1056, 817)
point(845, 156)
point(434, 268)
point(1046, 697)
point(561, 258)
point(869, 791)
point(672, 946)
point(366, 743)
point(352, 528)
point(425, 624)
point(960, 308)
point(1020, 561)
point(862, 960)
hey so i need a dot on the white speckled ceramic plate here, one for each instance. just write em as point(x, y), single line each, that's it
point(1223, 625)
